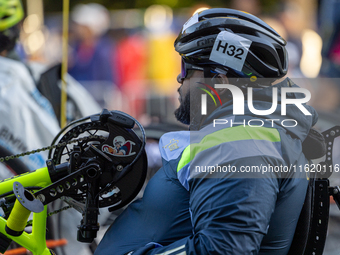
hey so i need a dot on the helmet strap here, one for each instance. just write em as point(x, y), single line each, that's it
point(207, 73)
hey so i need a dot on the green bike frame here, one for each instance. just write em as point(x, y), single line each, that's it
point(36, 241)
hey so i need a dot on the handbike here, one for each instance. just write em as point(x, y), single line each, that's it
point(97, 161)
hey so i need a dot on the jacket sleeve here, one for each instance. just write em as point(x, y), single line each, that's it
point(229, 215)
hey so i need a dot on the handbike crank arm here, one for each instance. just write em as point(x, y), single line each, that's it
point(69, 183)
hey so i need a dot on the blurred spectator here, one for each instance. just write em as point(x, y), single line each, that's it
point(91, 55)
point(160, 38)
point(130, 62)
point(130, 59)
point(329, 20)
point(291, 18)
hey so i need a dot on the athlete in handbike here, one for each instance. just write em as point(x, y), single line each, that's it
point(188, 206)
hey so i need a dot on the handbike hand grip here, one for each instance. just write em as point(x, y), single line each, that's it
point(23, 206)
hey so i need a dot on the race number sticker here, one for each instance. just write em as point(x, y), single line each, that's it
point(190, 22)
point(230, 50)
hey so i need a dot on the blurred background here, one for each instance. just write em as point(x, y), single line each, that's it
point(122, 53)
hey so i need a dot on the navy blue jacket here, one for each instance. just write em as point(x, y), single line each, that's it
point(225, 189)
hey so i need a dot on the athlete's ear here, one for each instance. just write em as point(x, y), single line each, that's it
point(221, 79)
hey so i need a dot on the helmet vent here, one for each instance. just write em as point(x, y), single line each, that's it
point(281, 55)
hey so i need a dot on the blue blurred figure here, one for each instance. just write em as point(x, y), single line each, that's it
point(92, 50)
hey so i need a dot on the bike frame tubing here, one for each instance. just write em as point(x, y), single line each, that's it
point(39, 177)
point(36, 241)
